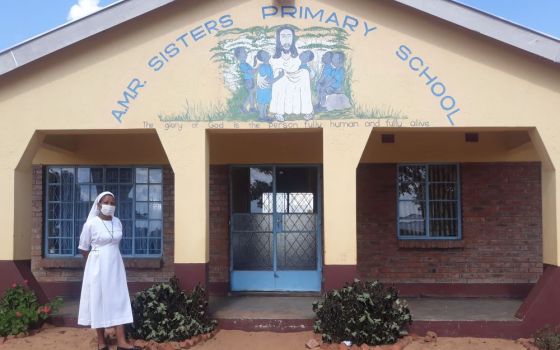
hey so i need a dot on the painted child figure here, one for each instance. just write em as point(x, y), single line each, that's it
point(265, 80)
point(325, 79)
point(338, 73)
point(247, 74)
point(334, 84)
point(305, 57)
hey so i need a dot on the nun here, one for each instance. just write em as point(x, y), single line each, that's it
point(104, 301)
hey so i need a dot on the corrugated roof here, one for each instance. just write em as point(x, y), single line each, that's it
point(467, 17)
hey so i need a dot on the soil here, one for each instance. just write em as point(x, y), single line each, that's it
point(63, 338)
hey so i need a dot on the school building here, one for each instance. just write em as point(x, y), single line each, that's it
point(290, 147)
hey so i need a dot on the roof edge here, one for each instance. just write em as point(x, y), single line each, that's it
point(45, 33)
point(75, 31)
point(457, 13)
point(491, 26)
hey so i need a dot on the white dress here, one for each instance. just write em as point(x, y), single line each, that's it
point(104, 301)
point(291, 94)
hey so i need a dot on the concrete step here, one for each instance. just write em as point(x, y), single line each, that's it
point(492, 317)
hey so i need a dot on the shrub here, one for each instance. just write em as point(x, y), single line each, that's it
point(164, 312)
point(362, 312)
point(548, 338)
point(20, 310)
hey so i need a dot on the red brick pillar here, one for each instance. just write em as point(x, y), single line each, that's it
point(218, 279)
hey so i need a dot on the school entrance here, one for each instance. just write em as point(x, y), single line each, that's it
point(275, 228)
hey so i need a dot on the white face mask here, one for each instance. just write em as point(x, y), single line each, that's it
point(107, 210)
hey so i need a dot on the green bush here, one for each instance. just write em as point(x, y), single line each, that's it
point(20, 310)
point(548, 338)
point(164, 312)
point(362, 312)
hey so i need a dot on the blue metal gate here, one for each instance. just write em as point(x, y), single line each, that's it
point(275, 228)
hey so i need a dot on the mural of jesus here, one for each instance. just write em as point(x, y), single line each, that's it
point(291, 94)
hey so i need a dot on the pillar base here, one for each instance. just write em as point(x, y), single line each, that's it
point(335, 276)
point(190, 275)
point(541, 306)
point(18, 271)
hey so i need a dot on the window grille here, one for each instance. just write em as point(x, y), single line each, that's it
point(428, 201)
point(69, 195)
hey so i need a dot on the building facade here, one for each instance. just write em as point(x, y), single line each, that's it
point(289, 147)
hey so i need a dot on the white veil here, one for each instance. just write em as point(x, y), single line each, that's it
point(94, 211)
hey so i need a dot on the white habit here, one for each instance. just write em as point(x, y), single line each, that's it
point(291, 94)
point(104, 301)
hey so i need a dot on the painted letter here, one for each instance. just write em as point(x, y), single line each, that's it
point(405, 51)
point(183, 40)
point(155, 63)
point(125, 102)
point(172, 50)
point(430, 79)
point(442, 103)
point(351, 22)
point(450, 114)
point(291, 13)
point(226, 21)
point(414, 59)
point(443, 89)
point(198, 33)
point(267, 13)
point(118, 115)
point(319, 13)
point(134, 85)
point(368, 28)
point(333, 18)
point(163, 56)
point(211, 25)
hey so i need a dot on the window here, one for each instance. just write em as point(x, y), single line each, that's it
point(297, 202)
point(428, 204)
point(70, 192)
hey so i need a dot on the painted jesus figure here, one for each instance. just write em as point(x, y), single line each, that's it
point(291, 94)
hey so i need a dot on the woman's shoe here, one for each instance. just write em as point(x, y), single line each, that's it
point(132, 348)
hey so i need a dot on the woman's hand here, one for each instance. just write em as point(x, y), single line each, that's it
point(84, 253)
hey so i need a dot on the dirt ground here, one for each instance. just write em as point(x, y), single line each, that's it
point(60, 338)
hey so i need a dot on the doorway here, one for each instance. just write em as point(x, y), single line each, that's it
point(275, 228)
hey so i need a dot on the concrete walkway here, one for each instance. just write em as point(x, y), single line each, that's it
point(282, 307)
point(422, 309)
point(464, 309)
point(257, 307)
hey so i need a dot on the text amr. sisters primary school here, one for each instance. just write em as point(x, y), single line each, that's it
point(288, 147)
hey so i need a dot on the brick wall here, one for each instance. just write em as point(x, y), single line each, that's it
point(501, 227)
point(219, 229)
point(71, 269)
point(502, 233)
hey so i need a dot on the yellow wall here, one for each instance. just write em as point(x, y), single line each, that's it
point(188, 154)
point(76, 89)
point(340, 161)
point(449, 145)
point(17, 242)
point(546, 144)
point(142, 147)
point(266, 147)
